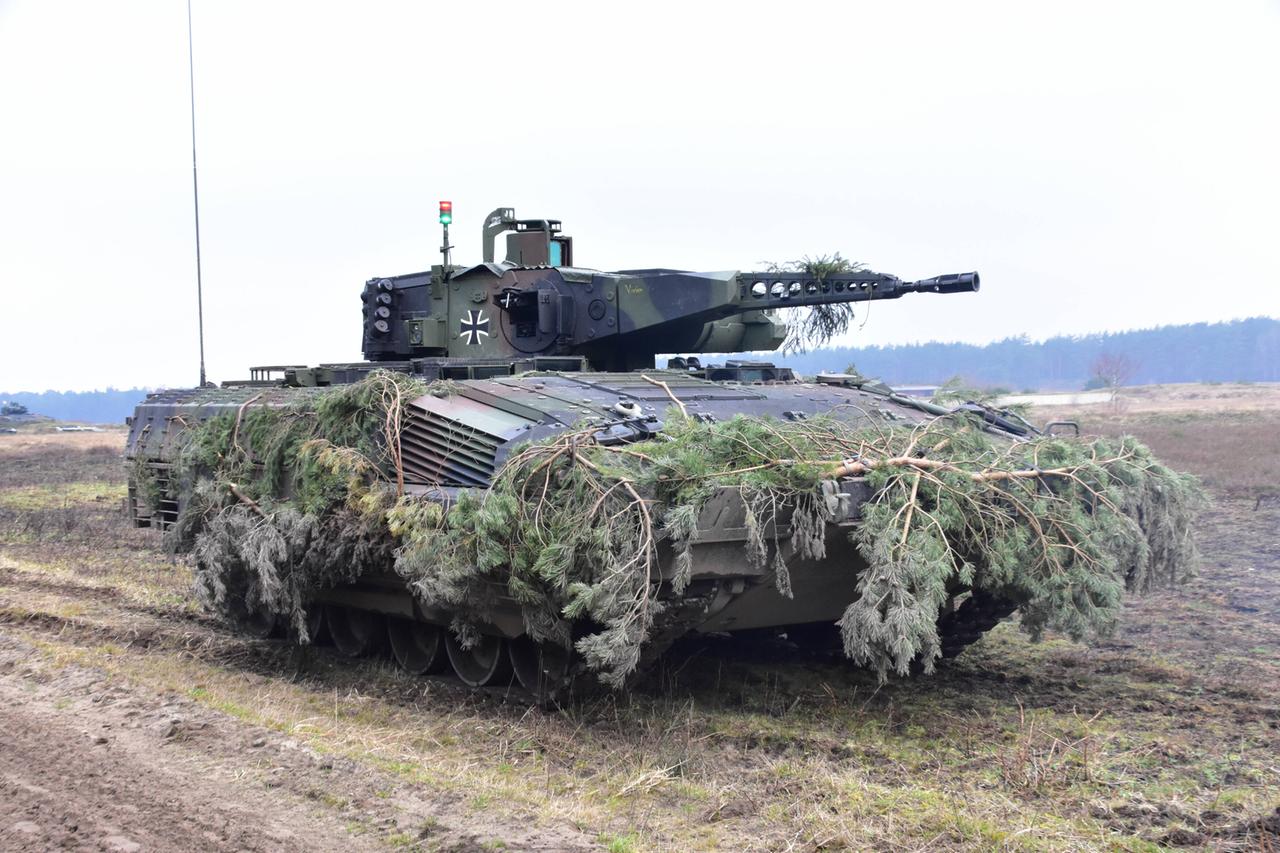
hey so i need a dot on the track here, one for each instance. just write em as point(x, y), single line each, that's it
point(966, 624)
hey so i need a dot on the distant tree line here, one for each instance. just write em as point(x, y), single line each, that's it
point(1236, 351)
point(94, 407)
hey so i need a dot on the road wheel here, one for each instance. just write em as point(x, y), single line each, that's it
point(541, 668)
point(317, 633)
point(417, 646)
point(485, 663)
point(257, 622)
point(355, 633)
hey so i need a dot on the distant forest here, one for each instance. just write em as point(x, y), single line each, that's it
point(1238, 351)
point(94, 407)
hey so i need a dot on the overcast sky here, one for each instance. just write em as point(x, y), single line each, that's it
point(1104, 166)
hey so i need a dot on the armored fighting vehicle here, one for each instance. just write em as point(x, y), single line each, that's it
point(535, 345)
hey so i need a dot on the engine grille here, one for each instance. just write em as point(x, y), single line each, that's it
point(437, 450)
point(454, 441)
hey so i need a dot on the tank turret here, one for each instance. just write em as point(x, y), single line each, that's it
point(537, 303)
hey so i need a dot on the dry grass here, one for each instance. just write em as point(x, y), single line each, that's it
point(1202, 397)
point(1166, 734)
point(1228, 435)
point(1234, 453)
point(35, 438)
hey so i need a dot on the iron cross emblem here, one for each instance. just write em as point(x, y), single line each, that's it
point(473, 326)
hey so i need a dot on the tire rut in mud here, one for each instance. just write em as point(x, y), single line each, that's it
point(88, 759)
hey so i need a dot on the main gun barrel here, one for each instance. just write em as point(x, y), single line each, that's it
point(761, 290)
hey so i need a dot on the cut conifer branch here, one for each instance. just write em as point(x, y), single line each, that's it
point(576, 532)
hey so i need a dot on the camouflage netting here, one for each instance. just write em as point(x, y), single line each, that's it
point(1062, 527)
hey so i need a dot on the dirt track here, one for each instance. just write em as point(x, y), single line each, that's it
point(85, 765)
point(88, 762)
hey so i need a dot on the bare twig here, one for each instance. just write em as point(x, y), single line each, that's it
point(235, 431)
point(247, 501)
point(665, 387)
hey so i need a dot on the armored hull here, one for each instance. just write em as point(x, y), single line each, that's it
point(457, 442)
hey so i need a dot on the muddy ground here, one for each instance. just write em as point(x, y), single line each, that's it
point(130, 721)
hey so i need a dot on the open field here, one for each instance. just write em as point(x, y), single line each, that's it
point(129, 720)
point(1225, 433)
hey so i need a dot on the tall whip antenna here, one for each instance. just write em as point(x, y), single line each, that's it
point(195, 190)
